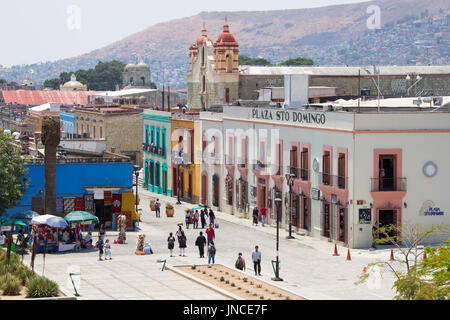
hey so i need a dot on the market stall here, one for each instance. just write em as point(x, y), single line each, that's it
point(47, 231)
point(77, 219)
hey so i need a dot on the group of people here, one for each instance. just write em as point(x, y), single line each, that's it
point(201, 242)
point(256, 213)
point(193, 217)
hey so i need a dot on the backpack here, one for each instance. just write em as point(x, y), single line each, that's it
point(212, 249)
point(239, 264)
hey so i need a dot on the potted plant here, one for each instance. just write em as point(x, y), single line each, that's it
point(153, 205)
point(169, 210)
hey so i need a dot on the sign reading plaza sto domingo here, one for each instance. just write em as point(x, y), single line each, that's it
point(348, 170)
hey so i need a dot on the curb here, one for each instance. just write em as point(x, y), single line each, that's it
point(205, 284)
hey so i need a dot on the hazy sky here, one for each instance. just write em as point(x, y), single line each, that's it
point(47, 30)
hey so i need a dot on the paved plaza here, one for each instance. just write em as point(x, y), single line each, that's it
point(307, 265)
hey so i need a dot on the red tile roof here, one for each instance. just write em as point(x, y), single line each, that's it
point(35, 97)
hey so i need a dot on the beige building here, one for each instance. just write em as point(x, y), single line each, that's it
point(120, 127)
point(351, 168)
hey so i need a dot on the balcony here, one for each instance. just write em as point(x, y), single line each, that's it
point(154, 149)
point(229, 160)
point(259, 165)
point(242, 162)
point(299, 173)
point(327, 179)
point(388, 184)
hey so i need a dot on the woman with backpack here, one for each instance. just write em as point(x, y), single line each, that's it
point(171, 243)
point(211, 252)
point(188, 219)
point(196, 219)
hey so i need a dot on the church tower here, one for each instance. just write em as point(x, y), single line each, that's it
point(213, 76)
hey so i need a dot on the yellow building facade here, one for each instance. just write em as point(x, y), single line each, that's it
point(186, 149)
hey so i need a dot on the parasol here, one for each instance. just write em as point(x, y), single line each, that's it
point(50, 220)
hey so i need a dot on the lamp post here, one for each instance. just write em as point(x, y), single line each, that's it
point(277, 261)
point(136, 169)
point(290, 182)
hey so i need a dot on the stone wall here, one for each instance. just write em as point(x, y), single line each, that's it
point(124, 132)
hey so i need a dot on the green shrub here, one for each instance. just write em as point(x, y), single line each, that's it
point(40, 287)
point(25, 275)
point(11, 286)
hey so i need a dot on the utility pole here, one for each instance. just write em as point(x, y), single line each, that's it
point(359, 90)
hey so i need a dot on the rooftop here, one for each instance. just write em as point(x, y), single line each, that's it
point(36, 97)
point(344, 71)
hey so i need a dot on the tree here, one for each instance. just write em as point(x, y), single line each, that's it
point(50, 139)
point(105, 76)
point(412, 282)
point(429, 279)
point(13, 182)
point(244, 60)
point(297, 62)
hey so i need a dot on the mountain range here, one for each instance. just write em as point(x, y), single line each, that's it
point(410, 32)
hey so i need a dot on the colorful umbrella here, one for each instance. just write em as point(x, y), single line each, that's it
point(50, 220)
point(81, 216)
point(197, 208)
point(27, 215)
point(8, 222)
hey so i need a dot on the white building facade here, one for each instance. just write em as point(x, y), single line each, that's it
point(349, 170)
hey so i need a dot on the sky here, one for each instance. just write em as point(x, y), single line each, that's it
point(46, 30)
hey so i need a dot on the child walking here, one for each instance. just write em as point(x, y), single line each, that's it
point(107, 250)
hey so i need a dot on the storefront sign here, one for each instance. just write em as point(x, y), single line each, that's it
point(430, 209)
point(98, 194)
point(315, 194)
point(289, 116)
point(365, 216)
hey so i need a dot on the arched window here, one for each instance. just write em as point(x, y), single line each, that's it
point(204, 84)
point(229, 61)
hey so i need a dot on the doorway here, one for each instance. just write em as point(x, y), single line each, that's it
point(305, 204)
point(190, 186)
point(181, 173)
point(216, 190)
point(165, 181)
point(204, 188)
point(387, 218)
point(387, 164)
point(99, 210)
point(326, 220)
point(342, 225)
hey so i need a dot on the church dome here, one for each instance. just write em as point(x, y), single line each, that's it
point(141, 65)
point(73, 84)
point(226, 36)
point(202, 37)
point(130, 66)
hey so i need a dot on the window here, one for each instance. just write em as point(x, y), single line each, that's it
point(227, 95)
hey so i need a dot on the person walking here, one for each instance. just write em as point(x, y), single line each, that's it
point(188, 219)
point(171, 243)
point(263, 215)
point(255, 216)
point(211, 252)
point(201, 244)
point(182, 244)
point(203, 218)
point(256, 257)
point(210, 234)
point(196, 219)
point(107, 250)
point(212, 217)
point(158, 208)
point(99, 246)
point(240, 262)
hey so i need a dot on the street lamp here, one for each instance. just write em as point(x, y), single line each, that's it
point(178, 160)
point(290, 181)
point(277, 269)
point(136, 169)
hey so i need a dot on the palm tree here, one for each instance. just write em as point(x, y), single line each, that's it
point(50, 138)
